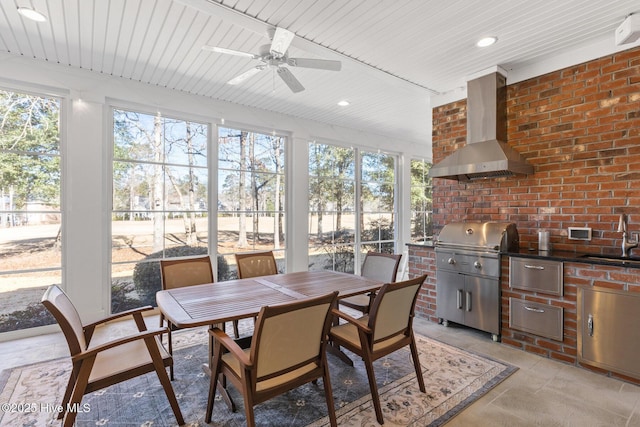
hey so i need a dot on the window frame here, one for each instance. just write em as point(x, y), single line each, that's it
point(358, 242)
point(427, 212)
point(113, 105)
point(64, 104)
point(287, 142)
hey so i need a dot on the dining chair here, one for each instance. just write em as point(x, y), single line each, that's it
point(287, 351)
point(387, 328)
point(256, 264)
point(97, 365)
point(378, 266)
point(178, 273)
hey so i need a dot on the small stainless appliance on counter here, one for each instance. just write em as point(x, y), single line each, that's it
point(468, 272)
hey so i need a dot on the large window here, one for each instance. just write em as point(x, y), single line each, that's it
point(160, 200)
point(332, 207)
point(421, 201)
point(30, 213)
point(251, 190)
point(351, 206)
point(377, 198)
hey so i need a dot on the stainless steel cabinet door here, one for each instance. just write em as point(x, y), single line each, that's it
point(608, 332)
point(469, 300)
point(482, 304)
point(450, 296)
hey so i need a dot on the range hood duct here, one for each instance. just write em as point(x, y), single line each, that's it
point(486, 154)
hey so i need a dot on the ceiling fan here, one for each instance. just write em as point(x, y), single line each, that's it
point(275, 56)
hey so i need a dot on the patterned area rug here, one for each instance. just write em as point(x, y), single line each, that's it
point(454, 379)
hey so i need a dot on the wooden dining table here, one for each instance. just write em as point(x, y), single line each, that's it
point(220, 302)
point(217, 303)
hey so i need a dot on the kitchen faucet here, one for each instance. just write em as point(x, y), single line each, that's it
point(627, 245)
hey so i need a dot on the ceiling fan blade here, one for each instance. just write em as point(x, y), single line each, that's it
point(322, 64)
point(281, 40)
point(244, 76)
point(290, 80)
point(230, 51)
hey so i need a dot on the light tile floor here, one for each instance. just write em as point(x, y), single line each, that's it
point(542, 392)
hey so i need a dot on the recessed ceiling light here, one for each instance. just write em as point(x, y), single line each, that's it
point(32, 14)
point(487, 41)
point(343, 103)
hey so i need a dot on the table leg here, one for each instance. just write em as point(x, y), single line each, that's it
point(222, 388)
point(334, 348)
point(244, 342)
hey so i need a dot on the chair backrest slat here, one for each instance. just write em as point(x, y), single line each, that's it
point(289, 335)
point(65, 313)
point(381, 266)
point(256, 264)
point(178, 273)
point(393, 308)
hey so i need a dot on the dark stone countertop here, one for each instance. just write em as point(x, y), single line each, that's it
point(568, 256)
point(564, 256)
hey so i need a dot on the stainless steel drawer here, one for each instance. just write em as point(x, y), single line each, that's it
point(539, 319)
point(536, 275)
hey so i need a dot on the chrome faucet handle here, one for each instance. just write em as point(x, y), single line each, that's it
point(622, 223)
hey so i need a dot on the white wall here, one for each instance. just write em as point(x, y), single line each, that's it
point(85, 138)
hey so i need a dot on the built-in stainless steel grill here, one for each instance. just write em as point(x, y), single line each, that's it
point(468, 272)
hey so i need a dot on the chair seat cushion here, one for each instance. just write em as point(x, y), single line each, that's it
point(233, 363)
point(349, 332)
point(356, 300)
point(123, 358)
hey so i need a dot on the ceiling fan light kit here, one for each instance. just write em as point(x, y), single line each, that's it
point(275, 56)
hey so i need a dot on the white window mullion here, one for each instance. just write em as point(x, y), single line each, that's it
point(358, 210)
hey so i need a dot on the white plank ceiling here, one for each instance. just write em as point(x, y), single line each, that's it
point(395, 53)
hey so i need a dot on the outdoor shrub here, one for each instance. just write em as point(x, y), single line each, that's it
point(341, 257)
point(121, 299)
point(379, 229)
point(32, 316)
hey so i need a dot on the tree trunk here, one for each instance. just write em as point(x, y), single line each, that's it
point(132, 194)
point(320, 236)
point(254, 190)
point(242, 202)
point(157, 191)
point(190, 222)
point(276, 202)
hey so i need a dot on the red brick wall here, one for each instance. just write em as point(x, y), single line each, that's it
point(580, 129)
point(422, 260)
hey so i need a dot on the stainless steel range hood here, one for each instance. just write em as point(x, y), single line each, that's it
point(486, 154)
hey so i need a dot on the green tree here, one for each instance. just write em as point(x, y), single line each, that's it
point(331, 171)
point(253, 166)
point(421, 200)
point(29, 150)
point(150, 150)
point(185, 142)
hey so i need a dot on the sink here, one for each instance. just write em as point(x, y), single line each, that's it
point(612, 258)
